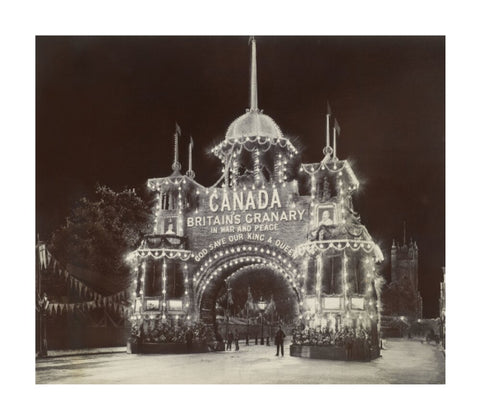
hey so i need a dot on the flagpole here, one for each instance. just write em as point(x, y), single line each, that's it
point(190, 172)
point(190, 147)
point(176, 148)
point(253, 77)
point(328, 125)
point(335, 142)
point(176, 166)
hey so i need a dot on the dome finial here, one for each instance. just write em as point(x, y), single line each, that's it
point(253, 77)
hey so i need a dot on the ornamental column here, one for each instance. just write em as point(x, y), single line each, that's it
point(164, 288)
point(318, 288)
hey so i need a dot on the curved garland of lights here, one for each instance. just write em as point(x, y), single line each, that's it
point(321, 246)
point(243, 142)
point(171, 180)
point(313, 168)
point(181, 254)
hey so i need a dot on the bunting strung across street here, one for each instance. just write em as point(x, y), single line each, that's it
point(115, 302)
point(63, 308)
point(58, 269)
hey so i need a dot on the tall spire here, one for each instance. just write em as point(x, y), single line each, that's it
point(253, 77)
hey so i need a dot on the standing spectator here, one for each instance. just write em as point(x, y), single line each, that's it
point(279, 336)
point(189, 339)
point(237, 347)
point(229, 341)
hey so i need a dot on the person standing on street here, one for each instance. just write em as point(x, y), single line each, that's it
point(229, 341)
point(189, 339)
point(279, 337)
point(349, 340)
point(235, 338)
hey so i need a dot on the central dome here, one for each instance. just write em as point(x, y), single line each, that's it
point(253, 124)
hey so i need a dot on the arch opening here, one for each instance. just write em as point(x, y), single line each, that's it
point(232, 298)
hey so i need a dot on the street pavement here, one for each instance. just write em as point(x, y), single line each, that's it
point(402, 362)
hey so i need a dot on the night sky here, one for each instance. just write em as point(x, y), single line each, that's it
point(106, 109)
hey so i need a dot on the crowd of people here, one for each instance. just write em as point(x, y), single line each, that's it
point(157, 332)
point(357, 342)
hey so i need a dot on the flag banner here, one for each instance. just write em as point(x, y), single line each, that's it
point(337, 127)
point(42, 250)
point(74, 285)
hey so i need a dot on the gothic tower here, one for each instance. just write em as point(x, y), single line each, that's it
point(404, 271)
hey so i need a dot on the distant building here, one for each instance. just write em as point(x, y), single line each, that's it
point(404, 273)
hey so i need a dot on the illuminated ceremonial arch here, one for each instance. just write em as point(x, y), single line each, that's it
point(271, 220)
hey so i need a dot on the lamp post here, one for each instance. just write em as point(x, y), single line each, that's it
point(261, 306)
point(227, 308)
point(43, 303)
point(248, 321)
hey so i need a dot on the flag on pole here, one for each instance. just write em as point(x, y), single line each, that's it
point(329, 109)
point(271, 306)
point(177, 129)
point(337, 127)
point(191, 143)
point(250, 39)
point(250, 304)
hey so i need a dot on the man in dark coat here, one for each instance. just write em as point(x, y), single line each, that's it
point(229, 341)
point(235, 338)
point(189, 339)
point(279, 336)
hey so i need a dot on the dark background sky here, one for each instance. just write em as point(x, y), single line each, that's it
point(106, 109)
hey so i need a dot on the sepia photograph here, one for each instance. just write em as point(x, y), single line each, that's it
point(240, 209)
